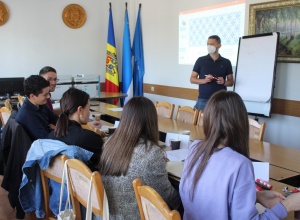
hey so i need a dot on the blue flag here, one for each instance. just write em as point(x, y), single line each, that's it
point(126, 62)
point(138, 53)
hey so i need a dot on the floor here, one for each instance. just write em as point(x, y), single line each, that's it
point(6, 211)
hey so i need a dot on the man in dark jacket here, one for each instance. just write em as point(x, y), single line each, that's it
point(35, 117)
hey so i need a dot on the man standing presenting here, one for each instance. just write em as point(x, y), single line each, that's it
point(35, 117)
point(212, 72)
point(50, 75)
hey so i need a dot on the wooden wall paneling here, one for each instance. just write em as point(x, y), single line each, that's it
point(279, 106)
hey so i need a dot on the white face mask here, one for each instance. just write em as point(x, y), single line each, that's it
point(211, 49)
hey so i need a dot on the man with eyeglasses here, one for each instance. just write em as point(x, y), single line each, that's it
point(49, 73)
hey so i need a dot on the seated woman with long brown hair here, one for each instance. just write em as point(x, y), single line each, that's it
point(133, 152)
point(218, 178)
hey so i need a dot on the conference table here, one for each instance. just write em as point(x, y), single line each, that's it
point(284, 162)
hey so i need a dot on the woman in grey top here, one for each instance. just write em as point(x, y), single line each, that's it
point(133, 152)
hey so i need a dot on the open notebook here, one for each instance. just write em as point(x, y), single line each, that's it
point(175, 168)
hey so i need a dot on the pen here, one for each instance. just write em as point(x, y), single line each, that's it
point(214, 77)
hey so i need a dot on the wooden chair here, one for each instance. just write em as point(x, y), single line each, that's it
point(256, 130)
point(151, 204)
point(200, 118)
point(187, 114)
point(164, 109)
point(4, 115)
point(21, 100)
point(96, 130)
point(53, 172)
point(7, 104)
point(79, 179)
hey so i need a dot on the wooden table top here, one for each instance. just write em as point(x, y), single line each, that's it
point(284, 157)
point(278, 173)
point(164, 124)
point(104, 108)
point(109, 95)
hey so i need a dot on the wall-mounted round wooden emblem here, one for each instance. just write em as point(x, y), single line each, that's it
point(3, 13)
point(74, 16)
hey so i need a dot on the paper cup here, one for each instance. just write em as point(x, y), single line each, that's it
point(97, 117)
point(111, 130)
point(187, 132)
point(175, 144)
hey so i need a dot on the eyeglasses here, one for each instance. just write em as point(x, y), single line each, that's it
point(54, 80)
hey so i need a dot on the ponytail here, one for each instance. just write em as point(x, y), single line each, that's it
point(62, 125)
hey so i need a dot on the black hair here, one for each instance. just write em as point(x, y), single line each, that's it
point(216, 37)
point(34, 84)
point(46, 69)
point(69, 103)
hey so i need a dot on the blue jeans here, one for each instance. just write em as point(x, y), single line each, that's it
point(200, 104)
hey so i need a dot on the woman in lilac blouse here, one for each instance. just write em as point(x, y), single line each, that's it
point(218, 179)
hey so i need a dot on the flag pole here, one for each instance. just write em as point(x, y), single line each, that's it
point(126, 60)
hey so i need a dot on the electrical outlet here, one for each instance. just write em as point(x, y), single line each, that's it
point(152, 88)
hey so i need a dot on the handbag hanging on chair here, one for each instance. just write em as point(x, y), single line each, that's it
point(68, 213)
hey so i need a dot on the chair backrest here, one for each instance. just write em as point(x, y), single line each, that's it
point(79, 178)
point(96, 130)
point(200, 118)
point(7, 104)
point(256, 130)
point(4, 115)
point(21, 100)
point(151, 204)
point(53, 172)
point(164, 109)
point(187, 114)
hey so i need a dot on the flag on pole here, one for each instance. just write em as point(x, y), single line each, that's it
point(111, 76)
point(138, 53)
point(126, 61)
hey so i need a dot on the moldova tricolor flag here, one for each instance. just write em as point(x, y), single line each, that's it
point(111, 76)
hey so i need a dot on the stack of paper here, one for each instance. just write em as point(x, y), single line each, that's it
point(175, 168)
point(177, 155)
point(105, 127)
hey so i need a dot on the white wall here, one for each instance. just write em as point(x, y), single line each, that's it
point(35, 36)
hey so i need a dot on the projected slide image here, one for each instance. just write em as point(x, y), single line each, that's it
point(226, 21)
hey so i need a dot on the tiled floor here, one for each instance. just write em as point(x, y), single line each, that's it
point(6, 211)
